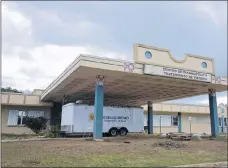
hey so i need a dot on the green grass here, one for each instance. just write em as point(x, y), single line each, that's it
point(162, 158)
point(222, 137)
point(143, 160)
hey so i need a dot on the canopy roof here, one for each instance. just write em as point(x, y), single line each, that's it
point(125, 84)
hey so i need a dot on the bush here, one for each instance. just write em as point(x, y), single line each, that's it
point(53, 132)
point(36, 124)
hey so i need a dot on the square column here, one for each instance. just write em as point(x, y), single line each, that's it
point(98, 108)
point(213, 113)
point(150, 118)
point(179, 122)
point(223, 124)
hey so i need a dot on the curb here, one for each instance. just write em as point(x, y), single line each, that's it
point(41, 139)
point(204, 164)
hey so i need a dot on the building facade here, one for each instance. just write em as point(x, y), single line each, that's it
point(154, 76)
point(15, 106)
point(166, 117)
point(185, 118)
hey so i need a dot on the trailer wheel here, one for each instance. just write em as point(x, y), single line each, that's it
point(113, 132)
point(123, 131)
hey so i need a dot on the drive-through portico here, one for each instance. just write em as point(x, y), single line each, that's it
point(154, 76)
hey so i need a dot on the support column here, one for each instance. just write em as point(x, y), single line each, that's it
point(150, 117)
point(223, 123)
point(213, 113)
point(179, 122)
point(98, 108)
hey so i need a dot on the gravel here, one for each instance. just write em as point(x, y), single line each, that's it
point(170, 144)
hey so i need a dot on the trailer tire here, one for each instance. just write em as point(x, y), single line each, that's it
point(113, 132)
point(123, 131)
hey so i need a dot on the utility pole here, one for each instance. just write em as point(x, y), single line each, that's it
point(160, 125)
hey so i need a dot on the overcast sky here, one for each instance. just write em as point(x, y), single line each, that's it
point(40, 39)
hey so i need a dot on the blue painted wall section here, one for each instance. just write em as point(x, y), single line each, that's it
point(213, 113)
point(179, 122)
point(150, 118)
point(98, 111)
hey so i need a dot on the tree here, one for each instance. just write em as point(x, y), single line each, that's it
point(9, 89)
point(36, 124)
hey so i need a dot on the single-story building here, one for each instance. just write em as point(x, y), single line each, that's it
point(155, 76)
point(15, 106)
point(185, 118)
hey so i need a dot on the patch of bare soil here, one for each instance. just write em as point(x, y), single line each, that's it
point(118, 145)
point(130, 144)
point(169, 144)
point(30, 162)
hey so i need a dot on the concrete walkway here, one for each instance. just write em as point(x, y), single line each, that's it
point(40, 139)
point(216, 164)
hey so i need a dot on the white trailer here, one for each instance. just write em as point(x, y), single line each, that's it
point(78, 119)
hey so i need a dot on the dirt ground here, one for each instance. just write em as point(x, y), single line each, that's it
point(131, 151)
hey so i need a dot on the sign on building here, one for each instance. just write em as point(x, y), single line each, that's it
point(176, 73)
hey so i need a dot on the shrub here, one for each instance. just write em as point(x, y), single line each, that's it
point(53, 132)
point(36, 124)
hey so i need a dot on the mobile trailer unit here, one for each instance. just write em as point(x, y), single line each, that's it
point(78, 119)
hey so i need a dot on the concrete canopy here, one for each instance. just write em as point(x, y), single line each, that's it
point(121, 87)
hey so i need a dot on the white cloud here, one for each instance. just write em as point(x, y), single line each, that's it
point(214, 11)
point(221, 99)
point(15, 19)
point(26, 65)
point(77, 28)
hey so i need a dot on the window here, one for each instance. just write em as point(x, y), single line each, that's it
point(148, 55)
point(165, 120)
point(156, 120)
point(204, 64)
point(145, 120)
point(16, 117)
point(174, 120)
point(21, 116)
point(220, 122)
